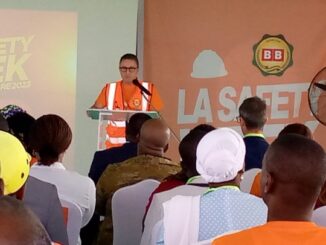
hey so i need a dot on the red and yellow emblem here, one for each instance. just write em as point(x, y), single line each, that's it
point(273, 55)
point(136, 102)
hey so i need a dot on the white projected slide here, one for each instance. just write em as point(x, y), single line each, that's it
point(38, 55)
point(55, 56)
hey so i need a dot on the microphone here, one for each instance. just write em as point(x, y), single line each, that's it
point(321, 86)
point(141, 87)
point(144, 90)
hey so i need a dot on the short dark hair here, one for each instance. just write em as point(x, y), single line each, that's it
point(20, 125)
point(296, 128)
point(3, 124)
point(203, 127)
point(129, 56)
point(134, 124)
point(253, 112)
point(188, 148)
point(295, 160)
point(50, 136)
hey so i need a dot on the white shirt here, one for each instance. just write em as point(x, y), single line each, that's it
point(71, 186)
point(155, 211)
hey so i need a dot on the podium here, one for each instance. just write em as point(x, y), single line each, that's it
point(104, 116)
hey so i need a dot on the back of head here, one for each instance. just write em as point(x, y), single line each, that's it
point(253, 112)
point(3, 124)
point(188, 147)
point(297, 167)
point(134, 125)
point(20, 125)
point(14, 163)
point(296, 128)
point(50, 136)
point(19, 225)
point(154, 137)
point(129, 56)
point(220, 155)
point(203, 127)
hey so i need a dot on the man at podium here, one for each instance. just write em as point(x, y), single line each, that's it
point(126, 94)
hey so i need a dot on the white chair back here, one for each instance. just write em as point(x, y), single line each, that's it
point(248, 179)
point(74, 221)
point(128, 209)
point(319, 216)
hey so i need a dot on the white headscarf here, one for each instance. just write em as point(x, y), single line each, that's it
point(220, 155)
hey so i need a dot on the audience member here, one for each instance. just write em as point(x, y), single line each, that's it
point(294, 128)
point(14, 163)
point(118, 154)
point(10, 110)
point(252, 118)
point(19, 225)
point(149, 164)
point(188, 175)
point(40, 197)
point(109, 156)
point(223, 208)
point(294, 171)
point(187, 151)
point(20, 125)
point(50, 138)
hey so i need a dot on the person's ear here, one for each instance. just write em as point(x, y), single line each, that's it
point(2, 187)
point(267, 184)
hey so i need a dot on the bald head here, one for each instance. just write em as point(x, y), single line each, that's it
point(19, 225)
point(294, 170)
point(154, 137)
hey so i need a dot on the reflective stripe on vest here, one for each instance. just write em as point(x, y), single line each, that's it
point(145, 101)
point(111, 95)
point(115, 141)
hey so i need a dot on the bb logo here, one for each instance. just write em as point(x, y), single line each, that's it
point(273, 55)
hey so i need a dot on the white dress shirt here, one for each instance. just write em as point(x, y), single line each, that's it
point(71, 186)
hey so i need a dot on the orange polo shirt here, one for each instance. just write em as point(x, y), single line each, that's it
point(277, 233)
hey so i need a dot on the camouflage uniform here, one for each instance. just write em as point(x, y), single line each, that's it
point(123, 174)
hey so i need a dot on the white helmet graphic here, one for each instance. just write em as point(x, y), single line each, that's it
point(208, 64)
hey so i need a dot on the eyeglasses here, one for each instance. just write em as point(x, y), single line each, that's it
point(237, 118)
point(130, 69)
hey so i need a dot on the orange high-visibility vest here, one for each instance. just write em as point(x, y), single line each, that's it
point(115, 101)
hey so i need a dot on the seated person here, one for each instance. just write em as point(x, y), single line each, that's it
point(19, 225)
point(188, 173)
point(168, 188)
point(50, 138)
point(293, 128)
point(109, 156)
point(20, 125)
point(41, 197)
point(10, 110)
point(223, 208)
point(118, 154)
point(290, 195)
point(149, 164)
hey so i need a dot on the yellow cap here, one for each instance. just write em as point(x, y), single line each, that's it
point(14, 163)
